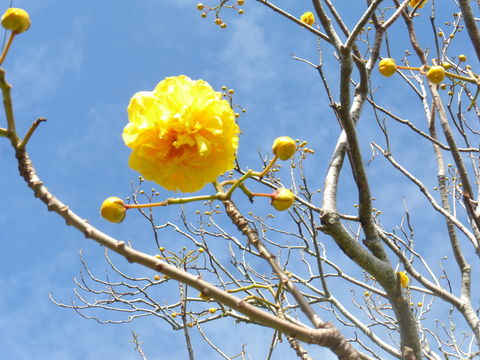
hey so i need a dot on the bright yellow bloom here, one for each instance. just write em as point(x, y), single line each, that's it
point(387, 67)
point(282, 199)
point(462, 58)
point(113, 209)
point(414, 3)
point(403, 279)
point(16, 20)
point(183, 134)
point(284, 147)
point(308, 18)
point(436, 74)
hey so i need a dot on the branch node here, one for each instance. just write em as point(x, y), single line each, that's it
point(88, 231)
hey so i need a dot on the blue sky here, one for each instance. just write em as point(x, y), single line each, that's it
point(78, 66)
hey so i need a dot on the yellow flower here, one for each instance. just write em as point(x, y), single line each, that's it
point(113, 209)
point(284, 147)
point(436, 74)
point(282, 199)
point(414, 3)
point(403, 278)
point(308, 18)
point(462, 58)
point(183, 135)
point(387, 67)
point(16, 20)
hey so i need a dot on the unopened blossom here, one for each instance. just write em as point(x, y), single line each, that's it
point(308, 18)
point(387, 67)
point(284, 147)
point(16, 20)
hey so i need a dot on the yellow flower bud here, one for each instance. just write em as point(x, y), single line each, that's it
point(282, 199)
point(387, 67)
point(16, 20)
point(284, 147)
point(462, 58)
point(156, 277)
point(403, 278)
point(436, 74)
point(413, 3)
point(200, 6)
point(201, 250)
point(308, 18)
point(446, 65)
point(420, 304)
point(240, 2)
point(113, 209)
point(201, 295)
point(212, 310)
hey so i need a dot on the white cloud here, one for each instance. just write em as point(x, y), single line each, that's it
point(40, 67)
point(247, 56)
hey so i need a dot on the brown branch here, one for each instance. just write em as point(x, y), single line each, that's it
point(328, 336)
point(338, 343)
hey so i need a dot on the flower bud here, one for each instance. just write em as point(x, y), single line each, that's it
point(387, 67)
point(436, 74)
point(282, 199)
point(284, 147)
point(403, 278)
point(446, 65)
point(308, 18)
point(113, 209)
point(16, 20)
point(462, 58)
point(413, 3)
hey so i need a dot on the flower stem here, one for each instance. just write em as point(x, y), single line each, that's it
point(263, 195)
point(172, 201)
point(408, 68)
point(238, 183)
point(269, 166)
point(460, 77)
point(7, 47)
point(140, 206)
